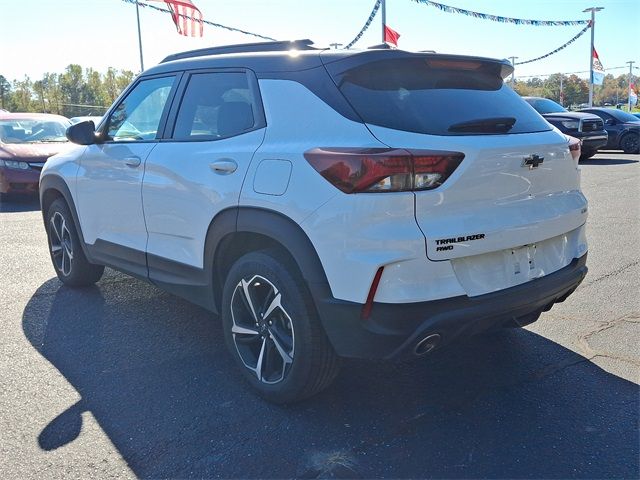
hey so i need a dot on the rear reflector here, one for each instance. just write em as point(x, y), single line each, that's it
point(366, 308)
point(376, 170)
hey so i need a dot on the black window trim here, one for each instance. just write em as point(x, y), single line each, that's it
point(259, 119)
point(104, 124)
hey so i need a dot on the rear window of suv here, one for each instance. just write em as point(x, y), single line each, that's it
point(436, 97)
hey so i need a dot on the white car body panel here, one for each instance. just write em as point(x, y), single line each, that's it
point(354, 235)
point(109, 193)
point(495, 271)
point(182, 193)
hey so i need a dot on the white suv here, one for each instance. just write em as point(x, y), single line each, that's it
point(326, 204)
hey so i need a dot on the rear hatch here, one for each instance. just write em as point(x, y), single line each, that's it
point(511, 205)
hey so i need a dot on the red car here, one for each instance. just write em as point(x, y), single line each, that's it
point(26, 141)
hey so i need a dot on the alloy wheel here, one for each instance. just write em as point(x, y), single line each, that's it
point(61, 244)
point(262, 330)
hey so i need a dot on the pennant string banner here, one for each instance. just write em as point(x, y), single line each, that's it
point(217, 25)
point(366, 25)
point(497, 18)
point(562, 47)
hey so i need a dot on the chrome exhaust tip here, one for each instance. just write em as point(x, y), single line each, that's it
point(427, 344)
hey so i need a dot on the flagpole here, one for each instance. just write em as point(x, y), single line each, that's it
point(593, 11)
point(139, 37)
point(630, 75)
point(384, 19)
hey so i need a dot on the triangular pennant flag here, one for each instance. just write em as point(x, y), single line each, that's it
point(391, 36)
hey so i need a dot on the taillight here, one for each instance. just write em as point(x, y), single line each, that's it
point(575, 147)
point(374, 170)
point(366, 308)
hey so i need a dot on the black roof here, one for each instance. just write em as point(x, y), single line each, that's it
point(294, 56)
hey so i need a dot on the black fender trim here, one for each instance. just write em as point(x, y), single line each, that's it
point(189, 282)
point(289, 234)
point(199, 285)
point(54, 182)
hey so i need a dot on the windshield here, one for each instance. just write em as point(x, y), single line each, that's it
point(436, 97)
point(544, 105)
point(33, 131)
point(622, 116)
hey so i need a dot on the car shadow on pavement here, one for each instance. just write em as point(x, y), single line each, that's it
point(154, 372)
point(19, 203)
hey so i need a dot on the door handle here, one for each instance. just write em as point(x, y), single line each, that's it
point(224, 166)
point(132, 161)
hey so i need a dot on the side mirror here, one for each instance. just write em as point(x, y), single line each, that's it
point(83, 133)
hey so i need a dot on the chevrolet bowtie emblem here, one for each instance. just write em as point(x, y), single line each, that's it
point(532, 161)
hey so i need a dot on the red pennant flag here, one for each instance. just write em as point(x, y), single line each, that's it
point(186, 16)
point(391, 36)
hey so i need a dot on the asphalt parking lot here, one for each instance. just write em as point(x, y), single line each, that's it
point(123, 380)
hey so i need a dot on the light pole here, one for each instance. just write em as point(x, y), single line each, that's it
point(593, 11)
point(139, 37)
point(513, 74)
point(631, 62)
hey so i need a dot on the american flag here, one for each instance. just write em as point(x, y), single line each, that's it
point(186, 16)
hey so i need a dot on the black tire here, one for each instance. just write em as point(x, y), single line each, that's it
point(587, 154)
point(271, 279)
point(630, 143)
point(71, 265)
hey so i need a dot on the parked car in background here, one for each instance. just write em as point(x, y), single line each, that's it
point(94, 118)
point(27, 140)
point(586, 127)
point(623, 128)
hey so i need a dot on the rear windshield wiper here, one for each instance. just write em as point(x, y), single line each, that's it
point(485, 125)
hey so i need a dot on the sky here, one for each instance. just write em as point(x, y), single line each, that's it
point(38, 36)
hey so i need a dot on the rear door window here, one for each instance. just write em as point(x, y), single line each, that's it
point(214, 106)
point(437, 97)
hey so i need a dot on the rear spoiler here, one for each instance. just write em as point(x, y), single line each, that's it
point(503, 67)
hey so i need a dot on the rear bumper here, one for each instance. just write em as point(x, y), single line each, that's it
point(393, 330)
point(18, 181)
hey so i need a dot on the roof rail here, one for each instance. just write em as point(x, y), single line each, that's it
point(285, 45)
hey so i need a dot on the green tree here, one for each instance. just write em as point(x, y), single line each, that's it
point(22, 97)
point(5, 91)
point(72, 86)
